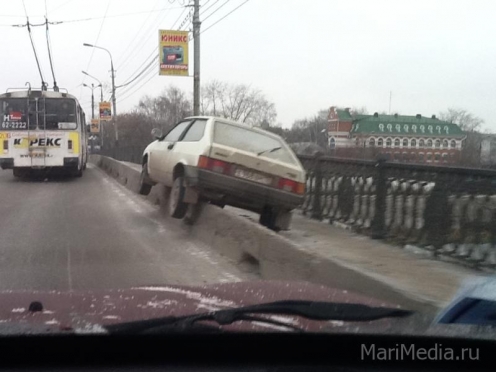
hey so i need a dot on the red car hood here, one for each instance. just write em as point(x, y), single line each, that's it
point(88, 311)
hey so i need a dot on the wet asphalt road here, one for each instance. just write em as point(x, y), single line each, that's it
point(92, 233)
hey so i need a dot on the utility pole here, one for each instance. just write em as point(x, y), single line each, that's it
point(113, 90)
point(114, 108)
point(92, 101)
point(196, 36)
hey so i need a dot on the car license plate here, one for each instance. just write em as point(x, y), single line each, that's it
point(253, 176)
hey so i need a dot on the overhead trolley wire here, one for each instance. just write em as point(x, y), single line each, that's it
point(43, 84)
point(47, 35)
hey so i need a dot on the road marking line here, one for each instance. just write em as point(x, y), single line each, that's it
point(69, 274)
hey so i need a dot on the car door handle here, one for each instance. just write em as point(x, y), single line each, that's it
point(170, 147)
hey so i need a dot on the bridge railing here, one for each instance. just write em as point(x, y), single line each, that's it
point(449, 210)
point(132, 154)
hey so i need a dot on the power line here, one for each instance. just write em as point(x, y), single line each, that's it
point(177, 20)
point(207, 8)
point(93, 49)
point(137, 76)
point(61, 6)
point(141, 86)
point(145, 61)
point(142, 41)
point(131, 92)
point(232, 11)
point(47, 35)
point(43, 86)
point(143, 75)
point(136, 34)
point(206, 2)
point(154, 51)
point(185, 20)
point(215, 11)
point(117, 15)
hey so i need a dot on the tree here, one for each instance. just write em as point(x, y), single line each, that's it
point(471, 125)
point(237, 102)
point(312, 129)
point(362, 110)
point(134, 130)
point(167, 109)
point(467, 121)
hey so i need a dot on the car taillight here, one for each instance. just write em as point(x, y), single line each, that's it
point(6, 146)
point(214, 165)
point(291, 186)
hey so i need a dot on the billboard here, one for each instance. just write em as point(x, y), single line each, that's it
point(95, 126)
point(173, 52)
point(105, 111)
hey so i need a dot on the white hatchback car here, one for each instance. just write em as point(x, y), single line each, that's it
point(225, 163)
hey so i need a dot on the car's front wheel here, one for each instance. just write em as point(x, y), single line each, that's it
point(177, 206)
point(144, 186)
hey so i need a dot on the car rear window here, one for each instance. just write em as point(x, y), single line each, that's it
point(249, 140)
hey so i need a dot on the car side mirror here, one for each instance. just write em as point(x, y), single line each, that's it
point(156, 133)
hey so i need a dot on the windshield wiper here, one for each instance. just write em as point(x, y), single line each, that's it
point(269, 150)
point(314, 310)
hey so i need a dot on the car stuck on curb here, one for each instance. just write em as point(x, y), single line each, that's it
point(210, 159)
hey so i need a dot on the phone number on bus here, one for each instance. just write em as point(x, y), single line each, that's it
point(14, 125)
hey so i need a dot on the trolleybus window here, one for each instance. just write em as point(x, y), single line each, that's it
point(55, 113)
point(13, 113)
point(60, 114)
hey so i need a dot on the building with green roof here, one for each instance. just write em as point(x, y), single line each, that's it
point(416, 138)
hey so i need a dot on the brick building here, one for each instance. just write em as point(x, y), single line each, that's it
point(415, 139)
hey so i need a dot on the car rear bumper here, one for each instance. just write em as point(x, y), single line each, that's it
point(239, 192)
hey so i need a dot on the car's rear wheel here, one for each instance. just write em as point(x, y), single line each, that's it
point(193, 213)
point(275, 219)
point(268, 218)
point(177, 206)
point(144, 186)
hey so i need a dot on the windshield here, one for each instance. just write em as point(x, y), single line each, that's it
point(249, 140)
point(323, 151)
point(53, 113)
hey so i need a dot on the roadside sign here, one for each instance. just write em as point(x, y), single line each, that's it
point(95, 126)
point(173, 52)
point(105, 111)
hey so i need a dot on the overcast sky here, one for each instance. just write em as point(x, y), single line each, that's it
point(304, 55)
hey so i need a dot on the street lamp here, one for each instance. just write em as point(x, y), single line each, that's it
point(113, 88)
point(99, 84)
point(92, 87)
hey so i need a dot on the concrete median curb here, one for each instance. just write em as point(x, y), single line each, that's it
point(271, 255)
